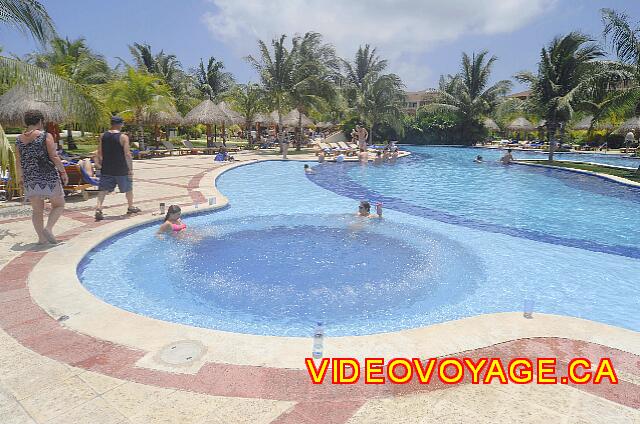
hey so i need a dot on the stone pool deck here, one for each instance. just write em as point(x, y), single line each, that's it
point(66, 357)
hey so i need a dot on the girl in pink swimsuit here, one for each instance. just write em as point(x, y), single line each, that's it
point(172, 222)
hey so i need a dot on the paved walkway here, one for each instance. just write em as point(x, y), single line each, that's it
point(51, 374)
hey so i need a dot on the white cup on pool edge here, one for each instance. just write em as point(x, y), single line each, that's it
point(212, 200)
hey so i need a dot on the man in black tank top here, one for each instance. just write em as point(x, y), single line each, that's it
point(114, 158)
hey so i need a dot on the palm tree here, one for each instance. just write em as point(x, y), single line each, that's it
point(137, 92)
point(565, 67)
point(212, 81)
point(28, 15)
point(380, 100)
point(625, 43)
point(248, 100)
point(468, 95)
point(276, 73)
point(366, 62)
point(75, 62)
point(169, 68)
point(314, 76)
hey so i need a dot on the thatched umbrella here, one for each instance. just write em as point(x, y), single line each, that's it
point(631, 124)
point(161, 117)
point(206, 113)
point(299, 120)
point(15, 102)
point(233, 118)
point(266, 118)
point(490, 124)
point(296, 118)
point(521, 124)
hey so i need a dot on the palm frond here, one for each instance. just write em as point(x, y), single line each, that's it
point(29, 16)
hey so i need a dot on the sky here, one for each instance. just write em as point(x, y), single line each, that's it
point(422, 39)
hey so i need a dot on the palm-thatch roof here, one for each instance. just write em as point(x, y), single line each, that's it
point(162, 117)
point(585, 124)
point(233, 117)
point(325, 125)
point(15, 102)
point(206, 112)
point(631, 124)
point(541, 124)
point(292, 119)
point(267, 118)
point(521, 124)
point(490, 124)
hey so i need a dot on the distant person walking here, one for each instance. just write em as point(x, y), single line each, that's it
point(114, 158)
point(41, 173)
point(363, 136)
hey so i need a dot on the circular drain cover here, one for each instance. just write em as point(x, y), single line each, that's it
point(182, 352)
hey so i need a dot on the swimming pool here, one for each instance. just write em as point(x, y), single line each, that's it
point(457, 240)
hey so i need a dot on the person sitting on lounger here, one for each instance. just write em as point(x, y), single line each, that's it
point(172, 222)
point(478, 159)
point(364, 210)
point(507, 158)
point(308, 170)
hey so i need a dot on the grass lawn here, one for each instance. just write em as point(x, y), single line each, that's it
point(618, 172)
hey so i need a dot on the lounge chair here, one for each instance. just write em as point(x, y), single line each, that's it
point(76, 182)
point(327, 148)
point(349, 151)
point(206, 150)
point(171, 148)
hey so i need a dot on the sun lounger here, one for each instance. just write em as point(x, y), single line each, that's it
point(206, 150)
point(346, 149)
point(328, 149)
point(76, 181)
point(171, 148)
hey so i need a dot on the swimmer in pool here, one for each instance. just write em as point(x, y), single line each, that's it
point(478, 159)
point(308, 170)
point(364, 210)
point(172, 222)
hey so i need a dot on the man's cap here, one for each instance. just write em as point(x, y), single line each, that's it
point(117, 120)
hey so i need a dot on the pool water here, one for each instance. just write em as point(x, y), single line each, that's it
point(457, 240)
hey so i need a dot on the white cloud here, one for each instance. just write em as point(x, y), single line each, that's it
point(398, 28)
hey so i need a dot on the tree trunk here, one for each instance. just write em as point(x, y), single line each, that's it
point(299, 146)
point(278, 130)
point(371, 133)
point(248, 127)
point(224, 136)
point(551, 126)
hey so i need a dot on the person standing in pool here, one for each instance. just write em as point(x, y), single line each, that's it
point(363, 156)
point(114, 158)
point(507, 158)
point(363, 135)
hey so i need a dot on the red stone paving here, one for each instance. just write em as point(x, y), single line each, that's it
point(32, 327)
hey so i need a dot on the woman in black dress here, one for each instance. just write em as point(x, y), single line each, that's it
point(41, 173)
